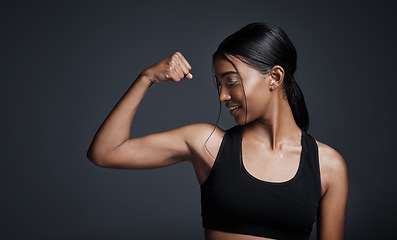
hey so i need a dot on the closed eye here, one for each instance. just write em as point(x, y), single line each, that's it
point(232, 83)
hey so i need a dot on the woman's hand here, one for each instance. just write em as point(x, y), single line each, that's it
point(173, 68)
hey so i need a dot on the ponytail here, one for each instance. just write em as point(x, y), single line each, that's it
point(297, 104)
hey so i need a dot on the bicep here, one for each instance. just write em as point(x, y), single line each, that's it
point(332, 211)
point(150, 151)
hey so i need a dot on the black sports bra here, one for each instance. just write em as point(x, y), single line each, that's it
point(232, 200)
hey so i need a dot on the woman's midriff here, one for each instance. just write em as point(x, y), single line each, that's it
point(211, 234)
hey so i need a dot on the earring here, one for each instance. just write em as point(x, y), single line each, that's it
point(271, 87)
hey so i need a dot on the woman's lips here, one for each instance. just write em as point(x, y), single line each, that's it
point(234, 109)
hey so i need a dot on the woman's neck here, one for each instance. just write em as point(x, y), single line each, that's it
point(276, 127)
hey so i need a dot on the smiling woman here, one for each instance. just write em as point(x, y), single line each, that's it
point(265, 178)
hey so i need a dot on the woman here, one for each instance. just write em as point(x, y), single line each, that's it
point(265, 178)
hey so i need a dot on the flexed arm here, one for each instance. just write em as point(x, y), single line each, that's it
point(112, 147)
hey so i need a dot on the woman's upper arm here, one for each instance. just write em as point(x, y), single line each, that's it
point(332, 212)
point(155, 150)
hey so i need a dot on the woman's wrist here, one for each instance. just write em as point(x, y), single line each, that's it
point(144, 78)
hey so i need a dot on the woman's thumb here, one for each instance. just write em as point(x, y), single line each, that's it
point(189, 76)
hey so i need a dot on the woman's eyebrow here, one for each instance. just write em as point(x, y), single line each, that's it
point(227, 73)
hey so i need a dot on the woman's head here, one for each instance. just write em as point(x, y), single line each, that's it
point(267, 49)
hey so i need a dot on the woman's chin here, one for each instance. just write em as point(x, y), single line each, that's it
point(241, 122)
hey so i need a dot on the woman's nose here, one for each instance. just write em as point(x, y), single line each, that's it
point(224, 95)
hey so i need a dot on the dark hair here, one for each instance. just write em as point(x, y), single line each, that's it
point(263, 46)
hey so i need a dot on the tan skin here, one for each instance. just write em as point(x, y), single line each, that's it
point(271, 142)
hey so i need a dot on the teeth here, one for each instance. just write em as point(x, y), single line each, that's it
point(232, 108)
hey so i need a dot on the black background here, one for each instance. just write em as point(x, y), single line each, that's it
point(65, 64)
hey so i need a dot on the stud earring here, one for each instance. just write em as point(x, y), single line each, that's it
point(271, 87)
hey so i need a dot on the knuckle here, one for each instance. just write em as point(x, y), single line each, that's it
point(176, 54)
point(174, 57)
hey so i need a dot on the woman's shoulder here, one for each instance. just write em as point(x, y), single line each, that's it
point(329, 156)
point(198, 135)
point(332, 165)
point(199, 130)
point(204, 139)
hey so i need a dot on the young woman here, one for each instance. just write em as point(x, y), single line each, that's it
point(265, 178)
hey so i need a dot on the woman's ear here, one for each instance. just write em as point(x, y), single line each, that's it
point(276, 77)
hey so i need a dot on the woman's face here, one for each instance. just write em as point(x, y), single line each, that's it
point(255, 85)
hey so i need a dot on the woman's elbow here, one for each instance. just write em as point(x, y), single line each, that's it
point(108, 159)
point(97, 159)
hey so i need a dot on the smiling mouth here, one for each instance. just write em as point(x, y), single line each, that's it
point(234, 109)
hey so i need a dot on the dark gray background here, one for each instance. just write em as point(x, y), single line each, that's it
point(65, 64)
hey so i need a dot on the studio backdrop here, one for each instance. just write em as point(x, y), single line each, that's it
point(65, 64)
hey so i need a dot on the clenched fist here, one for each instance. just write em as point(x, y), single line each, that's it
point(173, 68)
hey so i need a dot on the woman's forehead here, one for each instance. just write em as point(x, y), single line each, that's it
point(228, 58)
point(223, 65)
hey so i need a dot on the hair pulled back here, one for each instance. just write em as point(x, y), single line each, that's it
point(263, 46)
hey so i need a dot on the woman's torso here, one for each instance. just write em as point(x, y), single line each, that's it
point(278, 166)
